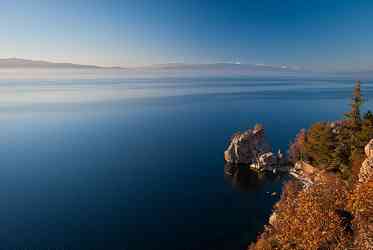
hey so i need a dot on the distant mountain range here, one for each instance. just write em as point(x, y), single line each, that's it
point(222, 66)
point(25, 63)
point(225, 68)
point(212, 67)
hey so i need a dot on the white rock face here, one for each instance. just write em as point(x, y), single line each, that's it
point(369, 149)
point(366, 170)
point(272, 219)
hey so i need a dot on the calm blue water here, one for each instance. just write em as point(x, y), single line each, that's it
point(137, 164)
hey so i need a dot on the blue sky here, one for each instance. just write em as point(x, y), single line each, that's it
point(314, 34)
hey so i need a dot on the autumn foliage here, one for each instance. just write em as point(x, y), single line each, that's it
point(313, 218)
point(361, 206)
point(335, 212)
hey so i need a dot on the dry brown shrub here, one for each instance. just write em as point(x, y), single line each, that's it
point(361, 206)
point(309, 219)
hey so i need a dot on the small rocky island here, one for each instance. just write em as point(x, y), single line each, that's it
point(251, 148)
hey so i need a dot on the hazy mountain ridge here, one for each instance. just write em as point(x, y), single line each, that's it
point(222, 66)
point(219, 68)
point(26, 63)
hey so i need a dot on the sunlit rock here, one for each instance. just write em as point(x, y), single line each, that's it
point(244, 148)
point(251, 148)
point(369, 149)
point(366, 170)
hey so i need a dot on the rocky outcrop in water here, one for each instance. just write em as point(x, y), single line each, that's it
point(252, 148)
point(245, 147)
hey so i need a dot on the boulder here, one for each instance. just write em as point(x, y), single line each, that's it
point(369, 149)
point(305, 172)
point(272, 219)
point(265, 161)
point(366, 170)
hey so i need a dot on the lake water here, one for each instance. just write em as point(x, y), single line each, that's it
point(138, 163)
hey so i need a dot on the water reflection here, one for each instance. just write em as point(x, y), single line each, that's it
point(244, 179)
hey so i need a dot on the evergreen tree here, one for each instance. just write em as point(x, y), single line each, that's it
point(320, 143)
point(357, 101)
point(366, 132)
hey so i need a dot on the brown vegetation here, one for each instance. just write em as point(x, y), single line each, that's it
point(361, 206)
point(309, 219)
point(335, 212)
point(324, 216)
